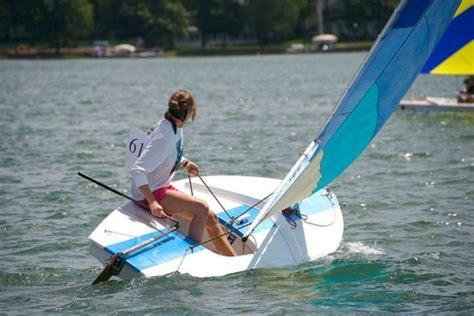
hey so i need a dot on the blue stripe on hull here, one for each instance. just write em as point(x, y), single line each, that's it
point(175, 244)
point(172, 246)
point(169, 248)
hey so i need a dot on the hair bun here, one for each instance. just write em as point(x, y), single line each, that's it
point(180, 103)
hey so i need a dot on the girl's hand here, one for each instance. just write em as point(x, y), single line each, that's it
point(156, 209)
point(191, 168)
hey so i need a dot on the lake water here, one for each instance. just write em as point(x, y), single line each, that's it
point(407, 201)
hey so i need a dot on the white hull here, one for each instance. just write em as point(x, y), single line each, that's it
point(435, 103)
point(273, 244)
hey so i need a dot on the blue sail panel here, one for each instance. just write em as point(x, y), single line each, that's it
point(411, 36)
point(385, 76)
point(453, 54)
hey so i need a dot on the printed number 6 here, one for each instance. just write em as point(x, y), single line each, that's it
point(132, 146)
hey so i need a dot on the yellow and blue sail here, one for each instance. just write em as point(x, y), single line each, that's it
point(454, 54)
point(387, 73)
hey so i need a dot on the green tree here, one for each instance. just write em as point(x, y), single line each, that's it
point(167, 21)
point(6, 19)
point(355, 13)
point(14, 18)
point(158, 22)
point(306, 25)
point(273, 19)
point(131, 18)
point(208, 18)
point(233, 19)
point(59, 22)
point(214, 17)
point(105, 14)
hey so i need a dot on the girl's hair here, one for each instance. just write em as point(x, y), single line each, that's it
point(180, 103)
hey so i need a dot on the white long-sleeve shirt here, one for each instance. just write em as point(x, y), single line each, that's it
point(159, 160)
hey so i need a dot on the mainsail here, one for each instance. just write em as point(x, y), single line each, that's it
point(454, 54)
point(374, 93)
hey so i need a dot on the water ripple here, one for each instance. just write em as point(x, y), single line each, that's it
point(407, 201)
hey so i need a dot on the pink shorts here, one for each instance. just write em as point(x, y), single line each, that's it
point(159, 194)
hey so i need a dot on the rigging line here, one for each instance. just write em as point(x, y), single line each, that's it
point(251, 207)
point(233, 230)
point(304, 217)
point(182, 260)
point(108, 231)
point(215, 197)
point(190, 185)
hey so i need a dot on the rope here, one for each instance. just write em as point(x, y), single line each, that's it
point(232, 219)
point(182, 260)
point(317, 225)
point(215, 197)
point(251, 207)
point(233, 230)
point(289, 219)
point(190, 185)
point(304, 217)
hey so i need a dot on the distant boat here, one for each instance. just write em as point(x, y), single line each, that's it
point(434, 103)
point(324, 42)
point(453, 56)
point(124, 50)
point(133, 243)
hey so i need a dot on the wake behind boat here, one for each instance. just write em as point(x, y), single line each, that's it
point(313, 229)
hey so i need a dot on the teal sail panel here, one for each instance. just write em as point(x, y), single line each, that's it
point(385, 76)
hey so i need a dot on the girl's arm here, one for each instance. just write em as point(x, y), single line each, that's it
point(155, 207)
point(190, 167)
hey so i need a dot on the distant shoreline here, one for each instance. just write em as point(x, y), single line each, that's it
point(87, 52)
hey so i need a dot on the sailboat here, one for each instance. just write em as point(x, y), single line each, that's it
point(250, 208)
point(453, 56)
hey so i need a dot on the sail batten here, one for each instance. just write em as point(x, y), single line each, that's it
point(375, 91)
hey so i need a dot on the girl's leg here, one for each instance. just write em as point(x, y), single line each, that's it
point(214, 229)
point(182, 204)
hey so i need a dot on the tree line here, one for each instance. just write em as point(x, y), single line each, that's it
point(60, 23)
